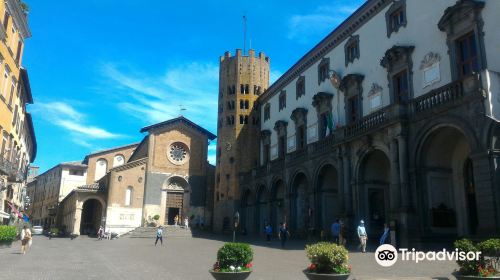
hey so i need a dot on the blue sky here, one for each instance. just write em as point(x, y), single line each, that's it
point(100, 70)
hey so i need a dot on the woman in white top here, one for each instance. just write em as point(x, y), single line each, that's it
point(25, 239)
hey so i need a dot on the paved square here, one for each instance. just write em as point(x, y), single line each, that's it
point(180, 258)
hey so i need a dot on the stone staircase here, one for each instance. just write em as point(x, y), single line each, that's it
point(150, 232)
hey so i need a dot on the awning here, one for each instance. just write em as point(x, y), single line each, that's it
point(4, 215)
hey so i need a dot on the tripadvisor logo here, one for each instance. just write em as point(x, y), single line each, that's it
point(386, 255)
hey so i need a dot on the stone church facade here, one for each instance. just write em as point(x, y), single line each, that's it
point(166, 174)
point(392, 118)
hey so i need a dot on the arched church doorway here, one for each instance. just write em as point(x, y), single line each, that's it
point(374, 182)
point(448, 177)
point(91, 217)
point(177, 200)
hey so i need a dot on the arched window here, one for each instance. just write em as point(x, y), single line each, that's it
point(128, 196)
point(118, 160)
point(101, 168)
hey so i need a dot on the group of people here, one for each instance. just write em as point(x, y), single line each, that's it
point(177, 221)
point(338, 233)
point(283, 233)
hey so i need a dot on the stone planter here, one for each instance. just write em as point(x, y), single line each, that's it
point(230, 275)
point(463, 277)
point(5, 244)
point(318, 276)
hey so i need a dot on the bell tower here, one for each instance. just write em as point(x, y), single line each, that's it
point(242, 79)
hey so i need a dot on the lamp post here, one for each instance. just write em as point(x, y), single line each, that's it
point(236, 219)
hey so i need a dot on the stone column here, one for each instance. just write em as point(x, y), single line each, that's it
point(77, 220)
point(403, 170)
point(395, 189)
point(346, 168)
point(163, 209)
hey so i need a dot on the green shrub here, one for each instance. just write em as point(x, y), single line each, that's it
point(489, 261)
point(327, 258)
point(466, 267)
point(239, 256)
point(156, 217)
point(7, 233)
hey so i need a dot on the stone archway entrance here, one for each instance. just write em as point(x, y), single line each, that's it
point(448, 179)
point(247, 211)
point(91, 217)
point(176, 200)
point(374, 182)
point(261, 209)
point(278, 214)
point(302, 205)
point(328, 190)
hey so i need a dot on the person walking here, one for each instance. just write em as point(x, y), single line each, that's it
point(283, 234)
point(384, 236)
point(25, 239)
point(362, 236)
point(336, 232)
point(159, 235)
point(100, 233)
point(176, 220)
point(186, 223)
point(269, 231)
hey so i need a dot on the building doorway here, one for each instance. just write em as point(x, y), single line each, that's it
point(171, 214)
point(91, 217)
point(374, 180)
point(449, 193)
point(175, 202)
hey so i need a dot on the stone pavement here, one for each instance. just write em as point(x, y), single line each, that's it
point(181, 258)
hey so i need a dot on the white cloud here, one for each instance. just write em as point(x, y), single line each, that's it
point(274, 76)
point(306, 27)
point(152, 98)
point(67, 117)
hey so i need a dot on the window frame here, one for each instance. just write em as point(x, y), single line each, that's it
point(398, 8)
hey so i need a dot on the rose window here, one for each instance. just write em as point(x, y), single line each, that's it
point(178, 153)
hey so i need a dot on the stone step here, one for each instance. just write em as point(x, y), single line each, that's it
point(150, 232)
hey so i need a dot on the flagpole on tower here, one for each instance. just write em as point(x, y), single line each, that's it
point(244, 34)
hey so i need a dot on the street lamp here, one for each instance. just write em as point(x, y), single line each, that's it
point(236, 219)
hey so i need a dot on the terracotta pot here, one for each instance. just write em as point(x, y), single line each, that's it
point(319, 276)
point(230, 275)
point(463, 277)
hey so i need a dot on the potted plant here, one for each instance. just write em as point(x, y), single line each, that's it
point(156, 218)
point(328, 261)
point(7, 235)
point(488, 264)
point(234, 262)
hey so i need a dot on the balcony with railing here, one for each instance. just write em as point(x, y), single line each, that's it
point(447, 95)
point(452, 94)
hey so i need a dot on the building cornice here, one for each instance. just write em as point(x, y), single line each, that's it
point(334, 39)
point(20, 18)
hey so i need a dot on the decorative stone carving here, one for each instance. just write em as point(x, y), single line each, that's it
point(265, 135)
point(174, 186)
point(299, 116)
point(396, 55)
point(397, 5)
point(322, 101)
point(376, 88)
point(430, 59)
point(280, 127)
